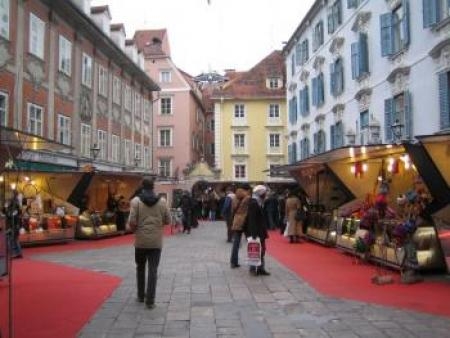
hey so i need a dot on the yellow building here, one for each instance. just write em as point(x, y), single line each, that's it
point(250, 122)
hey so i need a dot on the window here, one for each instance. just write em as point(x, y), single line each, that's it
point(304, 148)
point(4, 19)
point(398, 110)
point(334, 16)
point(147, 111)
point(239, 111)
point(293, 110)
point(304, 101)
point(165, 138)
point(102, 81)
point(274, 82)
point(318, 35)
point(337, 77)
point(86, 71)
point(239, 141)
point(274, 111)
point(302, 51)
point(292, 152)
point(115, 142)
point(364, 120)
point(35, 119)
point(116, 90)
point(36, 36)
point(137, 105)
point(65, 55)
point(395, 30)
point(360, 57)
point(146, 158)
point(274, 140)
point(353, 3)
point(212, 124)
point(293, 64)
point(444, 99)
point(137, 155)
point(435, 11)
point(102, 144)
point(165, 76)
point(127, 98)
point(337, 135)
point(166, 105)
point(3, 109)
point(85, 141)
point(212, 149)
point(318, 94)
point(127, 151)
point(319, 142)
point(64, 129)
point(240, 171)
point(164, 167)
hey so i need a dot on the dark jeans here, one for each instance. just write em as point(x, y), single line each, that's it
point(234, 259)
point(142, 256)
point(229, 222)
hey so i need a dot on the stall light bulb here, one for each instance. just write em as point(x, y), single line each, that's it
point(407, 165)
point(351, 152)
point(391, 161)
point(380, 179)
point(352, 169)
point(390, 167)
point(26, 179)
point(1, 179)
point(365, 167)
point(13, 186)
point(363, 149)
point(33, 182)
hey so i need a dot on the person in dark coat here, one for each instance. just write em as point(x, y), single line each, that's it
point(256, 225)
point(187, 207)
point(272, 211)
point(227, 212)
point(13, 215)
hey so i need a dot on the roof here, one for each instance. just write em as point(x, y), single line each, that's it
point(153, 42)
point(117, 27)
point(201, 170)
point(252, 83)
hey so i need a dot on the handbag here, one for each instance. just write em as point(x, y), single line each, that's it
point(301, 215)
point(253, 251)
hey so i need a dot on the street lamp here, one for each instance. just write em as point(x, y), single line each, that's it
point(397, 132)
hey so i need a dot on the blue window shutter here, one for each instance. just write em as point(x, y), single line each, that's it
point(330, 21)
point(298, 54)
point(316, 149)
point(294, 152)
point(431, 13)
point(289, 153)
point(340, 134)
point(406, 27)
point(351, 3)
point(355, 59)
point(306, 50)
point(321, 85)
point(306, 100)
point(363, 54)
point(444, 100)
point(292, 64)
point(340, 76)
point(386, 29)
point(332, 137)
point(307, 147)
point(314, 91)
point(408, 115)
point(388, 119)
point(333, 79)
point(295, 109)
point(338, 7)
point(300, 101)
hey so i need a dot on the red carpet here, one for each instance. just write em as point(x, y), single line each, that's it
point(51, 300)
point(335, 274)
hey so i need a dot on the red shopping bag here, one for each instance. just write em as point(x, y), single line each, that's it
point(253, 251)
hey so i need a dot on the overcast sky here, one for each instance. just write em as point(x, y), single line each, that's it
point(224, 34)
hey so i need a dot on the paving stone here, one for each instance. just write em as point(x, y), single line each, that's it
point(199, 296)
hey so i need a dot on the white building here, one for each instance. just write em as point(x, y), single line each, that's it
point(357, 67)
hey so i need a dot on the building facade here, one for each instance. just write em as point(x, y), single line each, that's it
point(249, 121)
point(67, 77)
point(179, 118)
point(365, 72)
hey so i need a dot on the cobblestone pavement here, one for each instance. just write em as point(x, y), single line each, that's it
point(199, 296)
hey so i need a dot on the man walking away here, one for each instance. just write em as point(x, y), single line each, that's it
point(227, 212)
point(256, 225)
point(187, 208)
point(148, 215)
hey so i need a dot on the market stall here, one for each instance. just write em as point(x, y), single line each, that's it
point(103, 199)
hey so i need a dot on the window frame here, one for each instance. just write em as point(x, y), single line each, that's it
point(166, 165)
point(165, 138)
point(116, 89)
point(64, 129)
point(36, 39)
point(166, 108)
point(102, 144)
point(85, 139)
point(240, 171)
point(274, 141)
point(65, 55)
point(4, 111)
point(5, 13)
point(115, 148)
point(35, 125)
point(102, 81)
point(165, 76)
point(274, 112)
point(86, 70)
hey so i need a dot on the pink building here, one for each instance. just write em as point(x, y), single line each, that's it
point(179, 118)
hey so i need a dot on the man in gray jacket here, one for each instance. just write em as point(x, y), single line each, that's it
point(148, 215)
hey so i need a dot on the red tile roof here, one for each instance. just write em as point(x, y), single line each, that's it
point(252, 83)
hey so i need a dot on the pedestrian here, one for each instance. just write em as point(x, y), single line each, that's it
point(13, 216)
point(213, 202)
point(271, 209)
point(227, 211)
point(187, 209)
point(239, 216)
point(282, 207)
point(294, 227)
point(256, 225)
point(148, 215)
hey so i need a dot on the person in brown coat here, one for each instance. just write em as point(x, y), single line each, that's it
point(294, 227)
point(148, 215)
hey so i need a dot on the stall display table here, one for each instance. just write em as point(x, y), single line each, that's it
point(322, 228)
point(48, 228)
